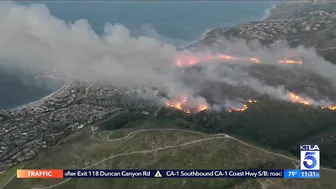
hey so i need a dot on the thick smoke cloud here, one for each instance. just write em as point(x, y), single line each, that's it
point(31, 39)
point(36, 41)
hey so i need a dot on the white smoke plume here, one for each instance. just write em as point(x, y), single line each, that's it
point(31, 39)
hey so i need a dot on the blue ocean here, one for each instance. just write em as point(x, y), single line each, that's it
point(178, 23)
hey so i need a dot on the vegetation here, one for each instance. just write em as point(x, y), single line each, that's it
point(9, 174)
point(215, 153)
point(276, 125)
point(121, 119)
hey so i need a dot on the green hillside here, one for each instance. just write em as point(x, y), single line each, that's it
point(160, 144)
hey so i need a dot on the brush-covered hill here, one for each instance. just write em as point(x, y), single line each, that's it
point(277, 125)
point(160, 144)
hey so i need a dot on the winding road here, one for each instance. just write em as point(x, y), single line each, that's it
point(10, 179)
point(133, 133)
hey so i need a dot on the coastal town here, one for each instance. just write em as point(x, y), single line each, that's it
point(29, 129)
point(297, 24)
point(276, 29)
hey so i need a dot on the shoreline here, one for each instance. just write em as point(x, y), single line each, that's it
point(40, 101)
point(267, 14)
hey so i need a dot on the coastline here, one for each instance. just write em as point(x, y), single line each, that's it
point(267, 15)
point(40, 101)
point(268, 12)
point(202, 36)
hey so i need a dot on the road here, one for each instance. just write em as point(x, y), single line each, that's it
point(97, 123)
point(11, 178)
point(133, 133)
point(213, 137)
point(137, 152)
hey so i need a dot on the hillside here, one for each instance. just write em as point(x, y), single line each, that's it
point(273, 124)
point(153, 147)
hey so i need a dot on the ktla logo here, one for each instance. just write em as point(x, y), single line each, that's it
point(310, 157)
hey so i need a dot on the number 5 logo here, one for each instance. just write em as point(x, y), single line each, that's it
point(309, 156)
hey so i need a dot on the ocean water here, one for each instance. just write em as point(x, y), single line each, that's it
point(177, 23)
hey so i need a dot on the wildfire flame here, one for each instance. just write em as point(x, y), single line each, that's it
point(242, 108)
point(255, 60)
point(225, 57)
point(182, 105)
point(191, 60)
point(297, 99)
point(330, 107)
point(289, 62)
point(178, 63)
point(251, 101)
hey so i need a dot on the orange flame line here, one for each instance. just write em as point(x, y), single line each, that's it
point(190, 60)
point(292, 96)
